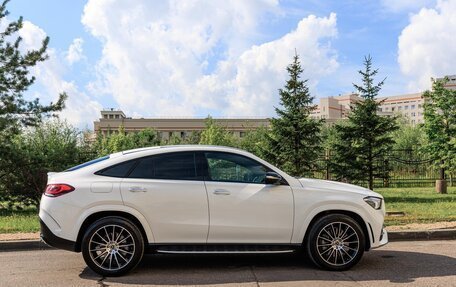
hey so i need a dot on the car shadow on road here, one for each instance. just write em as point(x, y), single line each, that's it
point(393, 266)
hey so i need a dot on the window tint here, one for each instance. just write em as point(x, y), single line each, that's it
point(235, 168)
point(118, 170)
point(88, 163)
point(179, 166)
point(144, 169)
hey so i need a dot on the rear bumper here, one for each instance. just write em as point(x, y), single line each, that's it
point(52, 240)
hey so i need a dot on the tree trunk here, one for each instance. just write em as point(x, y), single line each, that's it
point(441, 186)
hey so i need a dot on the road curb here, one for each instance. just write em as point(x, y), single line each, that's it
point(393, 236)
point(20, 245)
point(413, 235)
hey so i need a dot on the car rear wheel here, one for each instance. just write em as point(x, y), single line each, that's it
point(335, 242)
point(112, 246)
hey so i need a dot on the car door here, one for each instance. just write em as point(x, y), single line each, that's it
point(169, 191)
point(243, 209)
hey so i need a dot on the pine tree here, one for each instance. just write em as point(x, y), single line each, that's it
point(364, 139)
point(294, 139)
point(15, 111)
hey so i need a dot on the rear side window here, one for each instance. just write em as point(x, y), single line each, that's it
point(178, 166)
point(118, 170)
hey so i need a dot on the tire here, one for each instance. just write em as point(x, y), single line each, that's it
point(335, 242)
point(112, 246)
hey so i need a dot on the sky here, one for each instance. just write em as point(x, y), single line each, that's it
point(193, 58)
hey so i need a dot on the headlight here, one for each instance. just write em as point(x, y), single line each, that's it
point(375, 202)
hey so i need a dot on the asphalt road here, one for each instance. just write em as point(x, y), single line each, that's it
point(419, 263)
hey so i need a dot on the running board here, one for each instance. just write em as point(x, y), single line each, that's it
point(224, 249)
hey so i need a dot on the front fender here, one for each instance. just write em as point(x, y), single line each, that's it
point(303, 219)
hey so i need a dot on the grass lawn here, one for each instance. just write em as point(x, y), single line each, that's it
point(12, 221)
point(421, 205)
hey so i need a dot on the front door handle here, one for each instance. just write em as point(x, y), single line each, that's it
point(137, 189)
point(221, 192)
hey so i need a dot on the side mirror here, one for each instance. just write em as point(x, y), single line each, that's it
point(272, 178)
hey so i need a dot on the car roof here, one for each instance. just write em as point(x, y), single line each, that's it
point(171, 148)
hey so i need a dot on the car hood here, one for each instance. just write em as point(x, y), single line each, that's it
point(335, 186)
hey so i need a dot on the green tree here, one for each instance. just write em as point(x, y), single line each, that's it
point(15, 111)
point(440, 125)
point(294, 141)
point(145, 138)
point(120, 141)
point(407, 136)
point(364, 139)
point(255, 141)
point(214, 134)
point(50, 147)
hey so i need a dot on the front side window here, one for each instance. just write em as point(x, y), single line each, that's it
point(179, 166)
point(234, 168)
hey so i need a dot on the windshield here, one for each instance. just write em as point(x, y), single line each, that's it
point(88, 163)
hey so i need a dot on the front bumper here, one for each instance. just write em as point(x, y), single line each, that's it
point(383, 239)
point(52, 240)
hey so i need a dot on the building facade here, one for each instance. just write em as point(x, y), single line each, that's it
point(451, 84)
point(336, 108)
point(111, 120)
point(331, 109)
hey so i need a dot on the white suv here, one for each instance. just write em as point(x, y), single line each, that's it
point(204, 199)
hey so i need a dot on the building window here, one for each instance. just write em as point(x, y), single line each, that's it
point(412, 107)
point(386, 109)
point(412, 114)
point(406, 108)
point(105, 116)
point(241, 134)
point(392, 109)
point(182, 135)
point(117, 116)
point(111, 116)
point(399, 108)
point(419, 106)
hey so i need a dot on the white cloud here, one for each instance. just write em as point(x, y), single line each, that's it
point(427, 46)
point(75, 53)
point(250, 83)
point(80, 109)
point(406, 5)
point(32, 35)
point(181, 58)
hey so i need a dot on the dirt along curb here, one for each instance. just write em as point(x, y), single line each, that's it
point(408, 235)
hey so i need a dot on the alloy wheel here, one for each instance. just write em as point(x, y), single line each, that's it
point(338, 243)
point(111, 247)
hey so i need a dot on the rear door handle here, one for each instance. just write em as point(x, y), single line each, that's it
point(137, 189)
point(221, 192)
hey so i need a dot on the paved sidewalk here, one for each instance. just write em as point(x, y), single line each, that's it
point(412, 227)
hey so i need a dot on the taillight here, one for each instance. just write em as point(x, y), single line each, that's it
point(54, 190)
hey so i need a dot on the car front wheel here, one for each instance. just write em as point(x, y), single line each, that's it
point(112, 246)
point(335, 242)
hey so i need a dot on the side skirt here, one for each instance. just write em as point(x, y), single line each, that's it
point(222, 248)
